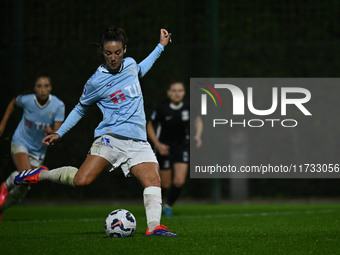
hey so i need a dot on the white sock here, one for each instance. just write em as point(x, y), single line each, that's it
point(9, 184)
point(63, 175)
point(153, 206)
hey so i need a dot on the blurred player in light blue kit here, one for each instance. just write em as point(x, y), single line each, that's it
point(120, 139)
point(43, 114)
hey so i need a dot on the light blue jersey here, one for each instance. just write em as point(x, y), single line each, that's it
point(118, 96)
point(35, 118)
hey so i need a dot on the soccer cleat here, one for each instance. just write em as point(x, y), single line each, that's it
point(3, 193)
point(167, 211)
point(160, 230)
point(29, 176)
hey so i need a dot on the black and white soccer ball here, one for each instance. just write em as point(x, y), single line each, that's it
point(120, 223)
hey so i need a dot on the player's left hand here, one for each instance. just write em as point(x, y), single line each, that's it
point(165, 37)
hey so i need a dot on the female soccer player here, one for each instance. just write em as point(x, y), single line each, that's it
point(41, 112)
point(172, 141)
point(120, 139)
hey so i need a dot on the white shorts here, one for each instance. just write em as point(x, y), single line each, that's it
point(122, 152)
point(35, 160)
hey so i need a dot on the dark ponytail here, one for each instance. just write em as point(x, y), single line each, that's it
point(113, 33)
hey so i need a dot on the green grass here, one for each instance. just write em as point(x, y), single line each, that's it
point(202, 229)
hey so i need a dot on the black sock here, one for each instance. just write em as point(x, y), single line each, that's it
point(165, 193)
point(173, 194)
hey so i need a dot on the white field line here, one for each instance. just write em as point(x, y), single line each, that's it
point(226, 215)
point(261, 214)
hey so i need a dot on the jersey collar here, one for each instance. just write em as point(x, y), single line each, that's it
point(176, 107)
point(106, 69)
point(42, 106)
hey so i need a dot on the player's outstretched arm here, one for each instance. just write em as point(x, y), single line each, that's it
point(146, 64)
point(8, 113)
point(165, 37)
point(72, 119)
point(51, 139)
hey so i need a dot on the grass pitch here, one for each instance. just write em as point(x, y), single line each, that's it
point(202, 229)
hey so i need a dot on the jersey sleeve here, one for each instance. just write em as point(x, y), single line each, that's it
point(89, 95)
point(19, 101)
point(146, 64)
point(72, 119)
point(60, 113)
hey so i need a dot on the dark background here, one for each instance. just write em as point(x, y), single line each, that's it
point(210, 39)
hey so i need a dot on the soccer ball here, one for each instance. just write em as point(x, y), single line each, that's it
point(120, 223)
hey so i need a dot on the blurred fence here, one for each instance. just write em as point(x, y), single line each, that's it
point(255, 39)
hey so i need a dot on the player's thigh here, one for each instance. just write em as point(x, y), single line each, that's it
point(21, 161)
point(90, 169)
point(147, 174)
point(166, 178)
point(180, 173)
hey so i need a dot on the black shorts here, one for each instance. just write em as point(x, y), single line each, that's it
point(178, 154)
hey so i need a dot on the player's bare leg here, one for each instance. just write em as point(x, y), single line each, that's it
point(180, 174)
point(71, 176)
point(21, 161)
point(166, 181)
point(90, 169)
point(166, 178)
point(147, 174)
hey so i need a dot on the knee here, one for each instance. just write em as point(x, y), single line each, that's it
point(178, 182)
point(154, 180)
point(147, 174)
point(80, 181)
point(165, 183)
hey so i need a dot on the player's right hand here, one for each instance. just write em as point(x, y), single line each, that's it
point(51, 139)
point(163, 149)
